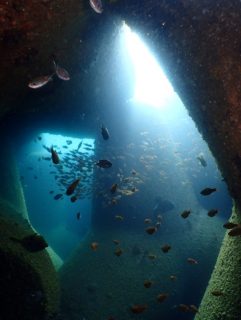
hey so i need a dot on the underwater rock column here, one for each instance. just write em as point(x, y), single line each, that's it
point(222, 299)
point(11, 192)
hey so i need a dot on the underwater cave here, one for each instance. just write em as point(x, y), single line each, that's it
point(120, 161)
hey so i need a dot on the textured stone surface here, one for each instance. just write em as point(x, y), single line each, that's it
point(225, 278)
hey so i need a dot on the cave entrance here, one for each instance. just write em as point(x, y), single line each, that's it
point(52, 213)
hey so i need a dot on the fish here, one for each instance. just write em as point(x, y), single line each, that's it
point(201, 159)
point(32, 243)
point(61, 72)
point(96, 5)
point(105, 133)
point(236, 231)
point(54, 156)
point(118, 252)
point(79, 145)
point(166, 248)
point(173, 278)
point(119, 217)
point(183, 307)
point(185, 214)
point(58, 196)
point(207, 191)
point(73, 198)
point(230, 225)
point(116, 241)
point(69, 142)
point(40, 81)
point(152, 256)
point(138, 308)
point(212, 213)
point(94, 246)
point(113, 188)
point(104, 164)
point(217, 293)
point(193, 308)
point(147, 220)
point(162, 297)
point(70, 190)
point(192, 261)
point(78, 215)
point(151, 230)
point(148, 283)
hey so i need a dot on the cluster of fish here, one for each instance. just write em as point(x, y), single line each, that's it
point(43, 80)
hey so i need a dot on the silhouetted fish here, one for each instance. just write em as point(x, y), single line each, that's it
point(105, 133)
point(70, 190)
point(207, 191)
point(104, 164)
point(58, 196)
point(55, 157)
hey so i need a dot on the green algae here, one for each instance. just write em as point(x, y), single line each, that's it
point(225, 278)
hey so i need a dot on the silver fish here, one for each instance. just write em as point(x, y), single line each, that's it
point(61, 72)
point(40, 81)
point(96, 5)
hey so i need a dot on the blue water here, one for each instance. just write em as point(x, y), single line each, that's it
point(153, 150)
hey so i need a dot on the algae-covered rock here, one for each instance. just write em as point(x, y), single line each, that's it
point(222, 297)
point(29, 283)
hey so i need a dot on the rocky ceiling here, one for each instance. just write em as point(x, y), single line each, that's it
point(199, 43)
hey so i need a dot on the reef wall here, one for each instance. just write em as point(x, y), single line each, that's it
point(222, 297)
point(29, 282)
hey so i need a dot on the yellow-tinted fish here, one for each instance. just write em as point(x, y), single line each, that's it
point(94, 245)
point(162, 297)
point(138, 308)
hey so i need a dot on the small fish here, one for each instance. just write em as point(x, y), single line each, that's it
point(73, 198)
point(96, 5)
point(61, 72)
point(192, 261)
point(148, 283)
point(183, 307)
point(217, 293)
point(104, 164)
point(78, 215)
point(207, 191)
point(236, 231)
point(105, 133)
point(116, 241)
point(147, 220)
point(40, 81)
point(193, 308)
point(162, 297)
point(201, 159)
point(166, 248)
point(212, 213)
point(230, 225)
point(118, 252)
point(54, 155)
point(69, 142)
point(119, 217)
point(94, 246)
point(152, 256)
point(70, 190)
point(113, 188)
point(173, 278)
point(138, 308)
point(51, 192)
point(58, 196)
point(151, 230)
point(79, 145)
point(185, 214)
